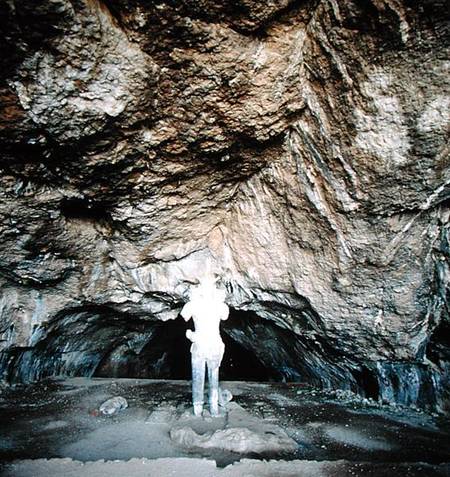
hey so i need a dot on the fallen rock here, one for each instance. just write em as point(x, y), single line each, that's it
point(241, 432)
point(240, 440)
point(113, 405)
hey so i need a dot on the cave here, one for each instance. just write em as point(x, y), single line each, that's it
point(296, 152)
point(99, 342)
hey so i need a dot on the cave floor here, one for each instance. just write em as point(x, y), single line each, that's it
point(54, 428)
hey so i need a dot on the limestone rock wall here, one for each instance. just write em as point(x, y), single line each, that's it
point(298, 149)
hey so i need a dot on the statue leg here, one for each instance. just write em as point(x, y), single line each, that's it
point(213, 380)
point(198, 383)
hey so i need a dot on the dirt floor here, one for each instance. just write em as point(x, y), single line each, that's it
point(54, 428)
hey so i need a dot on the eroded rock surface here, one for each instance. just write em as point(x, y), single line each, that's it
point(299, 149)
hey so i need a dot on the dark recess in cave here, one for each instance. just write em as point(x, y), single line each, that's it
point(439, 343)
point(167, 356)
point(101, 342)
point(367, 379)
point(78, 208)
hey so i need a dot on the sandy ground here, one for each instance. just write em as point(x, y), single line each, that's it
point(53, 428)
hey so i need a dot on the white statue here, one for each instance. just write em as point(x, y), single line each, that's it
point(207, 308)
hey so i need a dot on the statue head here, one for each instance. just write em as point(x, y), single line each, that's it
point(207, 289)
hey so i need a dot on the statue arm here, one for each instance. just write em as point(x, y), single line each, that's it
point(224, 312)
point(190, 335)
point(186, 311)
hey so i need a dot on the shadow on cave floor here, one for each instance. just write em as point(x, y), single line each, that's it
point(59, 418)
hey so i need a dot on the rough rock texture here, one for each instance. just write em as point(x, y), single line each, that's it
point(298, 148)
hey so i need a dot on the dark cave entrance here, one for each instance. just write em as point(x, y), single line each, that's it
point(241, 364)
point(167, 356)
point(100, 342)
point(164, 355)
point(96, 341)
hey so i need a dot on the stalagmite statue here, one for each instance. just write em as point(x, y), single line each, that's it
point(207, 308)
